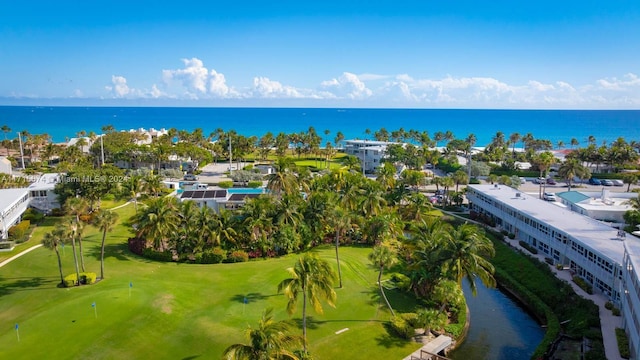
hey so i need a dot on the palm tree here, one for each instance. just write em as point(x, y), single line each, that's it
point(629, 179)
point(105, 221)
point(52, 240)
point(341, 223)
point(465, 255)
point(283, 180)
point(157, 221)
point(133, 187)
point(571, 168)
point(383, 256)
point(77, 206)
point(269, 341)
point(543, 161)
point(314, 278)
point(6, 129)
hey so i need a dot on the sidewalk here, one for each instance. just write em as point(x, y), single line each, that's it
point(608, 321)
point(19, 254)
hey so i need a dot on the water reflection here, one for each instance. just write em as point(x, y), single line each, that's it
point(500, 328)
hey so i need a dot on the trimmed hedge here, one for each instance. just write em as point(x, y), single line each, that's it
point(225, 184)
point(623, 343)
point(238, 256)
point(211, 256)
point(583, 284)
point(19, 231)
point(401, 327)
point(157, 255)
point(254, 184)
point(529, 248)
point(86, 278)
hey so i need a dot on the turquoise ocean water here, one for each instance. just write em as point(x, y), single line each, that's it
point(555, 125)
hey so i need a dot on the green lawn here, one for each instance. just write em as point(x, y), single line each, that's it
point(178, 311)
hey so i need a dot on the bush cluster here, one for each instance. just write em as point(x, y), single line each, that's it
point(401, 327)
point(529, 248)
point(19, 231)
point(157, 255)
point(32, 215)
point(211, 256)
point(237, 256)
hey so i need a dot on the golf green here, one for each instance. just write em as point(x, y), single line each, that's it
point(151, 310)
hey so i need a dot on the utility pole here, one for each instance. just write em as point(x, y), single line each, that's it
point(102, 148)
point(21, 151)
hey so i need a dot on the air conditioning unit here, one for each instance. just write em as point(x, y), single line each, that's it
point(518, 195)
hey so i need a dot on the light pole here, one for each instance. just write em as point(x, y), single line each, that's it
point(21, 151)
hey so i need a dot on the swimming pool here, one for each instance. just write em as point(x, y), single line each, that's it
point(246, 191)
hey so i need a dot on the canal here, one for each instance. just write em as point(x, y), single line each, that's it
point(500, 328)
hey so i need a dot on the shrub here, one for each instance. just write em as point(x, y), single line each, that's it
point(583, 284)
point(504, 232)
point(608, 305)
point(88, 278)
point(19, 231)
point(57, 212)
point(254, 184)
point(212, 256)
point(411, 319)
point(4, 245)
point(474, 181)
point(157, 255)
point(401, 328)
point(109, 197)
point(615, 311)
point(70, 280)
point(511, 236)
point(238, 256)
point(225, 184)
point(529, 248)
point(623, 343)
point(137, 245)
point(32, 215)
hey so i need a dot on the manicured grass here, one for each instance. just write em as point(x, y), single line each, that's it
point(178, 311)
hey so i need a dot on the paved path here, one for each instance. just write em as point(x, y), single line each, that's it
point(19, 254)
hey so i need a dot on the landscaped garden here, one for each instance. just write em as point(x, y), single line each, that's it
point(147, 309)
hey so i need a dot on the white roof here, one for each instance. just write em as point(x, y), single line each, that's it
point(46, 182)
point(589, 232)
point(9, 196)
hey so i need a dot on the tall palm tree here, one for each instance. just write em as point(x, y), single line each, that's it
point(133, 187)
point(52, 240)
point(341, 223)
point(283, 180)
point(6, 129)
point(383, 256)
point(313, 278)
point(105, 221)
point(466, 255)
point(77, 206)
point(269, 341)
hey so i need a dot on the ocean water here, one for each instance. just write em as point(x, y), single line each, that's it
point(554, 125)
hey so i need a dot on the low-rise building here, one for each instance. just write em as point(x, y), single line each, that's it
point(604, 206)
point(13, 203)
point(5, 166)
point(369, 152)
point(630, 294)
point(218, 199)
point(43, 197)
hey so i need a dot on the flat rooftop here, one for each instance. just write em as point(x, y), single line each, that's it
point(600, 201)
point(10, 196)
point(590, 232)
point(46, 182)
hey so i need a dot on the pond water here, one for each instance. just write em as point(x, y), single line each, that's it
point(500, 328)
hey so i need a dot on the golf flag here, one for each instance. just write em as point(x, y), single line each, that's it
point(93, 304)
point(95, 309)
point(16, 327)
point(130, 284)
point(246, 301)
point(17, 332)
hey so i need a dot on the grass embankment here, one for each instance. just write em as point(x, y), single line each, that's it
point(179, 311)
point(550, 299)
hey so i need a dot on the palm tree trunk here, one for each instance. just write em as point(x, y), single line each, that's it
point(384, 296)
point(75, 258)
point(338, 258)
point(104, 235)
point(81, 254)
point(304, 316)
point(59, 266)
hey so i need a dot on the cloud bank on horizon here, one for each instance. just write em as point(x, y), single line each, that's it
point(195, 81)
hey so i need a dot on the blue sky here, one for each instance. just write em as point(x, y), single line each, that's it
point(423, 54)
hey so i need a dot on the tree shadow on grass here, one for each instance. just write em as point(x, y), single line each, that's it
point(250, 297)
point(191, 357)
point(117, 251)
point(11, 285)
point(400, 301)
point(390, 340)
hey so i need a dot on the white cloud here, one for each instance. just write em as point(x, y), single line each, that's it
point(196, 81)
point(347, 85)
point(118, 87)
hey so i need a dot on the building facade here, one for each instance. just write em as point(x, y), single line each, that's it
point(13, 203)
point(591, 249)
point(630, 302)
point(370, 153)
point(41, 192)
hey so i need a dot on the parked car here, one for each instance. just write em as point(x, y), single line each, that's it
point(606, 182)
point(550, 181)
point(190, 177)
point(539, 180)
point(594, 181)
point(523, 180)
point(617, 182)
point(549, 196)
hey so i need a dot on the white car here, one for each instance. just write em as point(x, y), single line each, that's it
point(617, 182)
point(549, 196)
